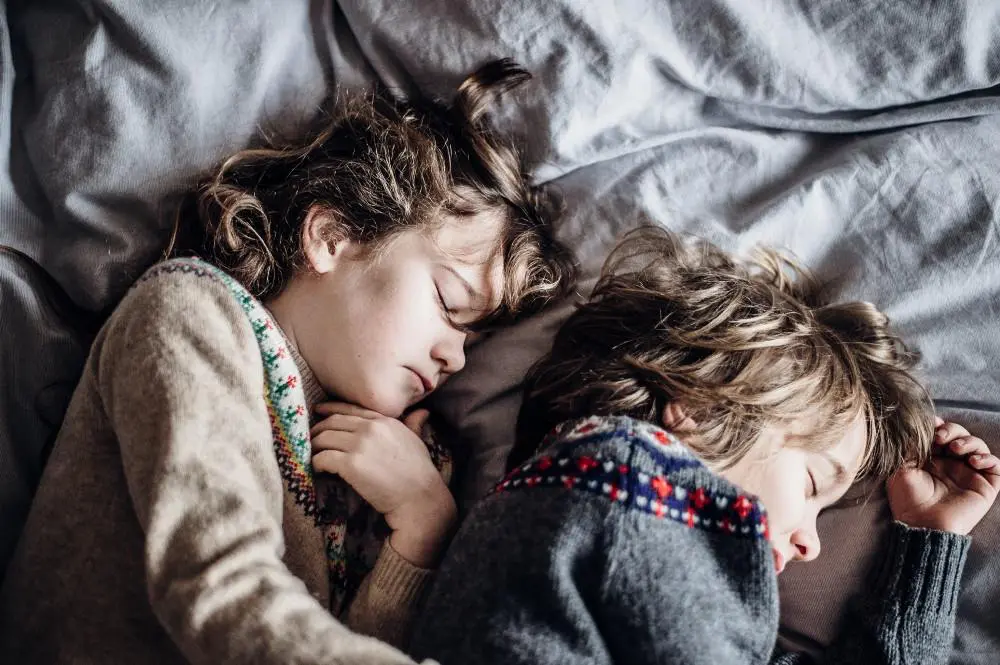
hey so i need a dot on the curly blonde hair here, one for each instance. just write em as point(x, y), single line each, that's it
point(742, 345)
point(378, 167)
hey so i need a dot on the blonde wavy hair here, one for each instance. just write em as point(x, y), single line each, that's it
point(380, 166)
point(741, 345)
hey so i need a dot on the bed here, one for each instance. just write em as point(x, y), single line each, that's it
point(862, 135)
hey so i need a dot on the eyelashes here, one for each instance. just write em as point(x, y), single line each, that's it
point(450, 311)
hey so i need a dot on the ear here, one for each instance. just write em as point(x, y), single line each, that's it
point(675, 419)
point(319, 245)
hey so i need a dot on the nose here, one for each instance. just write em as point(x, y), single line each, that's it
point(449, 351)
point(806, 542)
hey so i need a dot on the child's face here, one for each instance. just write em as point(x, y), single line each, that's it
point(375, 330)
point(795, 484)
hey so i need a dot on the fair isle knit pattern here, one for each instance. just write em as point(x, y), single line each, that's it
point(642, 486)
point(286, 405)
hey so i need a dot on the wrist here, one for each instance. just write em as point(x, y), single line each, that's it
point(933, 524)
point(422, 528)
point(920, 569)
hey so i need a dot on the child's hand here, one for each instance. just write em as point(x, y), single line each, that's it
point(387, 463)
point(953, 491)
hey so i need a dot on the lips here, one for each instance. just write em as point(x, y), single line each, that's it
point(427, 384)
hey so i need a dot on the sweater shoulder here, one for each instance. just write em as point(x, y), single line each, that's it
point(174, 291)
point(190, 285)
point(641, 468)
point(180, 306)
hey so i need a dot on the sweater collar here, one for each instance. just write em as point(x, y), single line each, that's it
point(310, 385)
point(314, 392)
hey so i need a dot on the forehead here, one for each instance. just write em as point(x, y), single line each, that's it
point(470, 245)
point(850, 449)
point(474, 238)
point(847, 453)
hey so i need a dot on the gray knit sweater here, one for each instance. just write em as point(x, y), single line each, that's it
point(616, 545)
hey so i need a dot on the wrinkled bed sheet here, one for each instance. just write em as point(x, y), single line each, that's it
point(860, 134)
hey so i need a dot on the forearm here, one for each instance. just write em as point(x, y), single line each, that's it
point(262, 614)
point(907, 615)
point(389, 599)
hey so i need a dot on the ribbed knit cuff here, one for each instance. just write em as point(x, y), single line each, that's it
point(921, 570)
point(395, 582)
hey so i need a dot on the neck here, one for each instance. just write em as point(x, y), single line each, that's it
point(281, 308)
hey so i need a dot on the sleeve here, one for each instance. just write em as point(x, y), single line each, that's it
point(389, 599)
point(181, 378)
point(907, 616)
point(551, 575)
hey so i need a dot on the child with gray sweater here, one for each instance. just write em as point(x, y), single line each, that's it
point(700, 412)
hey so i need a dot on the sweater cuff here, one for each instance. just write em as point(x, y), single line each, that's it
point(395, 582)
point(921, 570)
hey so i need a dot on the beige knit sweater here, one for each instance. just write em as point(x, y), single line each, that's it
point(161, 532)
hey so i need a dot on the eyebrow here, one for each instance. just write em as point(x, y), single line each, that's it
point(840, 472)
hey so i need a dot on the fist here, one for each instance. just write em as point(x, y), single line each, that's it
point(954, 490)
point(389, 466)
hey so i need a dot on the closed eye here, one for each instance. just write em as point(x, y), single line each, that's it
point(812, 481)
point(450, 311)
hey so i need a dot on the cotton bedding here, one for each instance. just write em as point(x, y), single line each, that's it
point(859, 134)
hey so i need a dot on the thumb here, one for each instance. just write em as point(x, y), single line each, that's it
point(416, 420)
point(909, 472)
point(910, 484)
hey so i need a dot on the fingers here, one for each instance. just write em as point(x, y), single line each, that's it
point(989, 467)
point(938, 421)
point(329, 461)
point(985, 463)
point(339, 422)
point(973, 450)
point(968, 445)
point(415, 421)
point(946, 432)
point(343, 408)
point(345, 442)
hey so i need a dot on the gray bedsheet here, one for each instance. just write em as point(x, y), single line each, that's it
point(860, 134)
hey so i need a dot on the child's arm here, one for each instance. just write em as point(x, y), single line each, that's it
point(907, 614)
point(181, 379)
point(387, 463)
point(390, 598)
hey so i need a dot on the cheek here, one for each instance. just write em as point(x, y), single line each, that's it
point(783, 495)
point(399, 322)
point(786, 512)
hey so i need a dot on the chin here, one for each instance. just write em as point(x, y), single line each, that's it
point(385, 409)
point(390, 408)
point(383, 402)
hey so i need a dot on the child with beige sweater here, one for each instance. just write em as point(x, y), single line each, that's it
point(206, 501)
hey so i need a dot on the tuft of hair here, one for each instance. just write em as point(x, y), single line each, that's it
point(743, 345)
point(377, 167)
